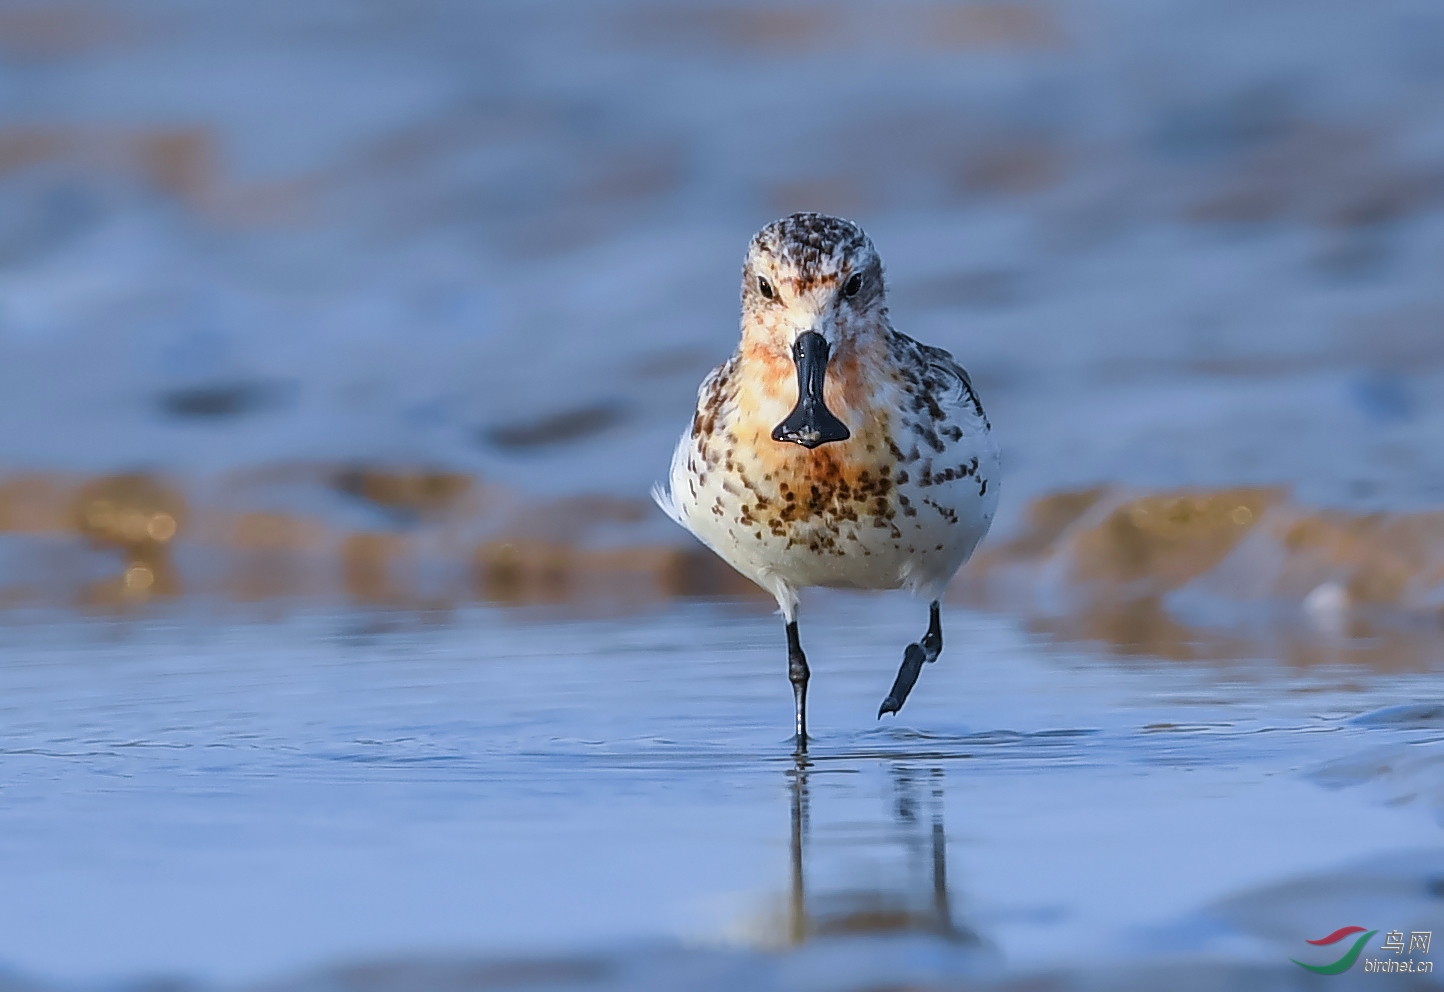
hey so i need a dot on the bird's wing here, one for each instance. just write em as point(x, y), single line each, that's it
point(960, 392)
point(947, 382)
point(710, 397)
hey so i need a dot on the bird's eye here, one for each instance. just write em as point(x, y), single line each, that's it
point(851, 287)
point(765, 288)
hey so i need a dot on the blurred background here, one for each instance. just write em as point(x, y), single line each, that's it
point(312, 304)
point(314, 276)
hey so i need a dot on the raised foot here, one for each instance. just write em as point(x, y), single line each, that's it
point(916, 655)
point(913, 660)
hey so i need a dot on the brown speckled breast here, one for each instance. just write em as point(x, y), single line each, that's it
point(812, 497)
point(901, 502)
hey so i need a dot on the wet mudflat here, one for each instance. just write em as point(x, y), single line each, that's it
point(507, 798)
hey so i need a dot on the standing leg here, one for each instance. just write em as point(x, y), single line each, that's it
point(797, 673)
point(914, 657)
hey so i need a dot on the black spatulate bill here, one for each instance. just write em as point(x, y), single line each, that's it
point(810, 423)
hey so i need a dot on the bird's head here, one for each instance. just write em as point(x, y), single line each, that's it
point(811, 272)
point(812, 291)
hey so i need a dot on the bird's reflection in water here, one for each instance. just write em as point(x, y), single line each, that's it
point(908, 904)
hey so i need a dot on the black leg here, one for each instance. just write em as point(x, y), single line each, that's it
point(916, 655)
point(797, 673)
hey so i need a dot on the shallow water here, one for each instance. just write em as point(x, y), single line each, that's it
point(227, 800)
point(306, 263)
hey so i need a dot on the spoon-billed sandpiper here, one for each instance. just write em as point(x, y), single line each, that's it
point(831, 450)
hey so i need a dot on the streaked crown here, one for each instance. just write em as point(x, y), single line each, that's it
point(809, 242)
